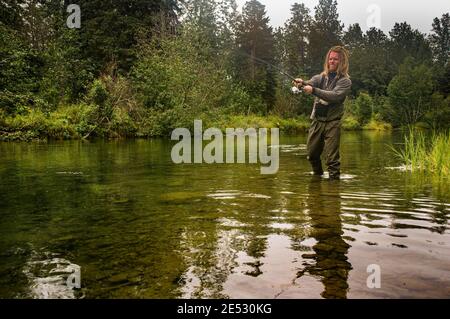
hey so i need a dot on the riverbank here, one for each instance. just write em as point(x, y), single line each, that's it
point(85, 121)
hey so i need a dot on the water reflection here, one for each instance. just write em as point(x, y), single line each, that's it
point(141, 227)
point(329, 261)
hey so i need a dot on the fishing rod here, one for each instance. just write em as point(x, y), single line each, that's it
point(281, 71)
point(294, 89)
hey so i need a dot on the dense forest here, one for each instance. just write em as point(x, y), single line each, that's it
point(141, 68)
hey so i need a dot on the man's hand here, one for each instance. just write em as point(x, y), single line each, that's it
point(308, 89)
point(298, 83)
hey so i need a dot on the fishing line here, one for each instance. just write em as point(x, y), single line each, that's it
point(294, 89)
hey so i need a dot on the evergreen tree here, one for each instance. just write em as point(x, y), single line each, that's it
point(228, 20)
point(353, 37)
point(408, 42)
point(375, 38)
point(371, 68)
point(255, 43)
point(109, 28)
point(201, 21)
point(295, 39)
point(20, 66)
point(326, 31)
point(440, 39)
point(443, 80)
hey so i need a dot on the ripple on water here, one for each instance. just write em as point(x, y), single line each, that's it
point(47, 275)
point(69, 173)
point(228, 222)
point(224, 194)
point(402, 168)
point(326, 175)
point(221, 194)
point(282, 226)
point(290, 148)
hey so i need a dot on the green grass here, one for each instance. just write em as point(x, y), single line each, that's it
point(85, 120)
point(423, 154)
point(377, 125)
point(286, 125)
point(65, 123)
point(439, 156)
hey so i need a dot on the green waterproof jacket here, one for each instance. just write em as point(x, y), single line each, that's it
point(330, 97)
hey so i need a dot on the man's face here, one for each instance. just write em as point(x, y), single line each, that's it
point(333, 61)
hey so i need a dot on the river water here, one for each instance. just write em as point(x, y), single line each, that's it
point(138, 226)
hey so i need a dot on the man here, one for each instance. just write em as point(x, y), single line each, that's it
point(330, 88)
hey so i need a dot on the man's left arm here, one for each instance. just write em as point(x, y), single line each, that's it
point(338, 94)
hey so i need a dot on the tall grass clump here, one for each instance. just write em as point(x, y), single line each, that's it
point(439, 155)
point(431, 155)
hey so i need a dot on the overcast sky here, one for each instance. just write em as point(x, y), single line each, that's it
point(419, 14)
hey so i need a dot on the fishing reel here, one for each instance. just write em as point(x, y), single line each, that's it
point(295, 90)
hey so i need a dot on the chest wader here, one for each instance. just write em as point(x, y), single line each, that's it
point(324, 137)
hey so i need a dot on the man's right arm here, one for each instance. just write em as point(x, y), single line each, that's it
point(314, 81)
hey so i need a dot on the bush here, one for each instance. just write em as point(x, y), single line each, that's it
point(35, 120)
point(122, 125)
point(294, 125)
point(289, 105)
point(17, 103)
point(97, 93)
point(286, 125)
point(20, 64)
point(73, 120)
point(2, 118)
point(66, 74)
point(111, 107)
point(438, 116)
point(60, 128)
point(239, 101)
point(364, 106)
point(349, 107)
point(376, 124)
point(410, 93)
point(350, 123)
point(176, 74)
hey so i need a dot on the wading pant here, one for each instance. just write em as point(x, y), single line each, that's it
point(325, 137)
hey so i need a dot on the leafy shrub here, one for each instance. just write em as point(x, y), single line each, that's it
point(364, 106)
point(350, 122)
point(18, 103)
point(410, 93)
point(35, 121)
point(377, 125)
point(97, 93)
point(122, 125)
point(438, 117)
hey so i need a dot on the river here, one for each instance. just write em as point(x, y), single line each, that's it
point(136, 225)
